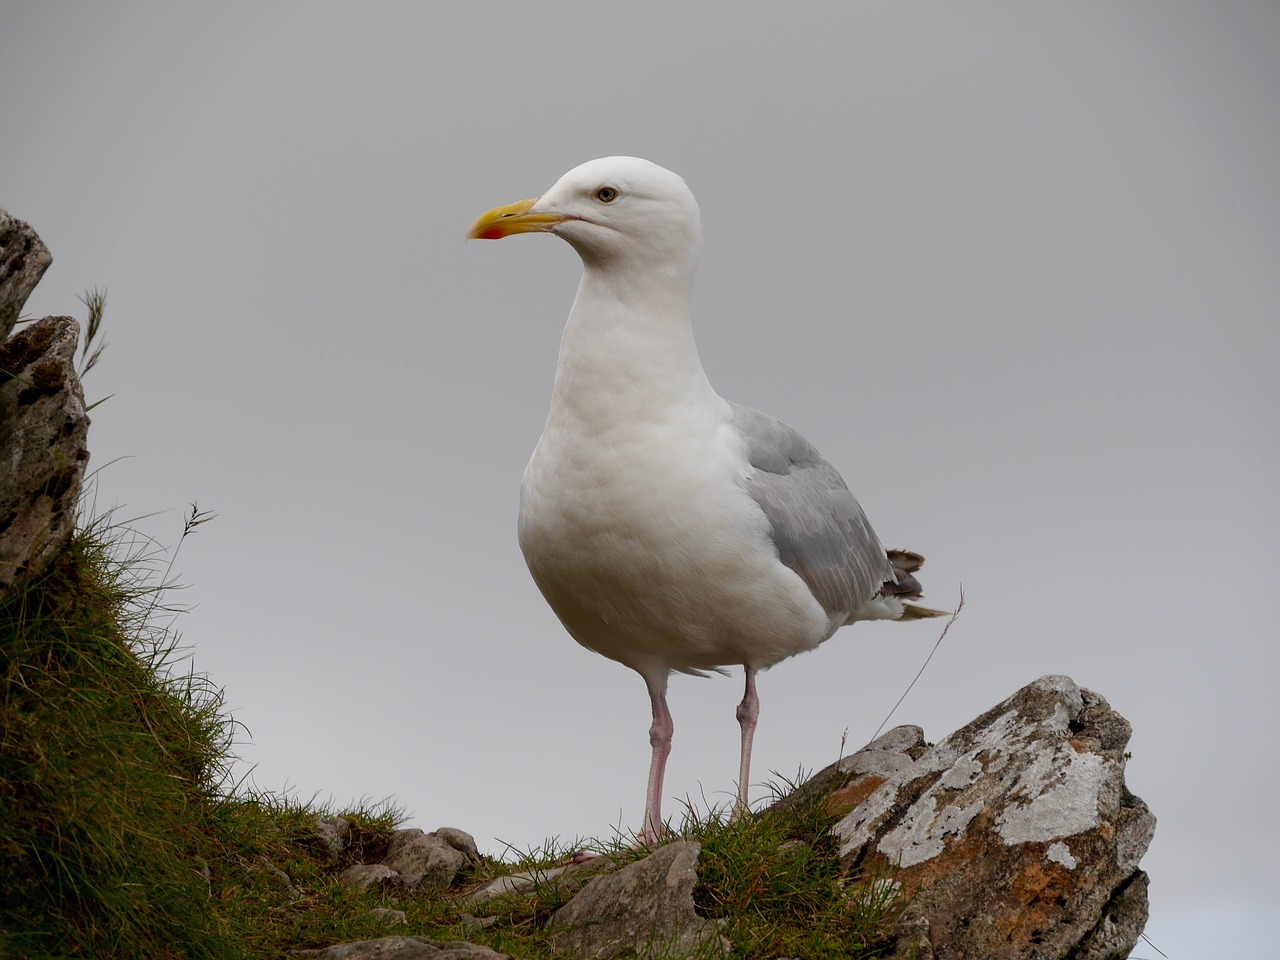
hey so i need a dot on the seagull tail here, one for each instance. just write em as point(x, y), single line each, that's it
point(905, 563)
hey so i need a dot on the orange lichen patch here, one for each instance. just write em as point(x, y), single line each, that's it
point(1024, 895)
point(1039, 890)
point(842, 801)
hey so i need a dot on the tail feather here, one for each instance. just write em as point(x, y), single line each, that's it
point(904, 586)
point(905, 563)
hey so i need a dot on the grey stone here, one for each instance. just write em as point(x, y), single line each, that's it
point(644, 909)
point(911, 940)
point(334, 833)
point(389, 916)
point(460, 840)
point(23, 260)
point(403, 948)
point(424, 862)
point(1015, 836)
point(362, 876)
point(565, 879)
point(284, 879)
point(43, 429)
point(848, 781)
point(1122, 923)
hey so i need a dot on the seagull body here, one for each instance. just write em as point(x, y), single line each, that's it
point(668, 528)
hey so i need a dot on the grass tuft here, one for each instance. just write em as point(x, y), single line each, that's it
point(775, 879)
point(108, 751)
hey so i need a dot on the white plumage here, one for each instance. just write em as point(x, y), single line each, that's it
point(668, 528)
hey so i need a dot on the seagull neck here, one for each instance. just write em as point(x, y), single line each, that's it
point(630, 342)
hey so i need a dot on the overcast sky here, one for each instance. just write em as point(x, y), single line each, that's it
point(1013, 268)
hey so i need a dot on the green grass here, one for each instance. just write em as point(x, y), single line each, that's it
point(775, 878)
point(122, 834)
point(108, 757)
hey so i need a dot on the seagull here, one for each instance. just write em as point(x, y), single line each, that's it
point(668, 528)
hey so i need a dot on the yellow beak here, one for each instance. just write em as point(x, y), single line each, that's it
point(513, 218)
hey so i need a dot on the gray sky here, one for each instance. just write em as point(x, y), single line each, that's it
point(1011, 267)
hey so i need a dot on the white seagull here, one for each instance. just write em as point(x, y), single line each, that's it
point(668, 528)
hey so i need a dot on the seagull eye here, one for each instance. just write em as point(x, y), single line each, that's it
point(606, 194)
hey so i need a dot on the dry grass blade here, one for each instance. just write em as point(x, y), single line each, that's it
point(955, 614)
point(91, 350)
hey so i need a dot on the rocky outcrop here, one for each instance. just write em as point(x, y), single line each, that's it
point(1013, 837)
point(23, 261)
point(43, 432)
point(43, 427)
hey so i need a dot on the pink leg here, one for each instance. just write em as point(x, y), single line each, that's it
point(660, 739)
point(748, 711)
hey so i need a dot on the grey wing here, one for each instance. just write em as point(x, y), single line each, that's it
point(819, 528)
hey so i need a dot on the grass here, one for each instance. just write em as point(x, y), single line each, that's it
point(774, 878)
point(107, 757)
point(123, 835)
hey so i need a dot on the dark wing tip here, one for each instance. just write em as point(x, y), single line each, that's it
point(905, 560)
point(904, 563)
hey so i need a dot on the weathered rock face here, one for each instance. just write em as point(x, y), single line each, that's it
point(43, 431)
point(643, 909)
point(1015, 836)
point(23, 261)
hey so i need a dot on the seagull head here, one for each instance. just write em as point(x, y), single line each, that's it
point(613, 210)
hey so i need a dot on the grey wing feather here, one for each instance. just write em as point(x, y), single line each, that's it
point(819, 528)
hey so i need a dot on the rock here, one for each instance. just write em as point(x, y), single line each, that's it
point(644, 909)
point(1121, 925)
point(566, 880)
point(23, 260)
point(362, 876)
point(389, 916)
point(1015, 836)
point(281, 876)
point(425, 862)
point(460, 840)
point(911, 940)
point(43, 428)
point(403, 948)
point(334, 833)
point(850, 780)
